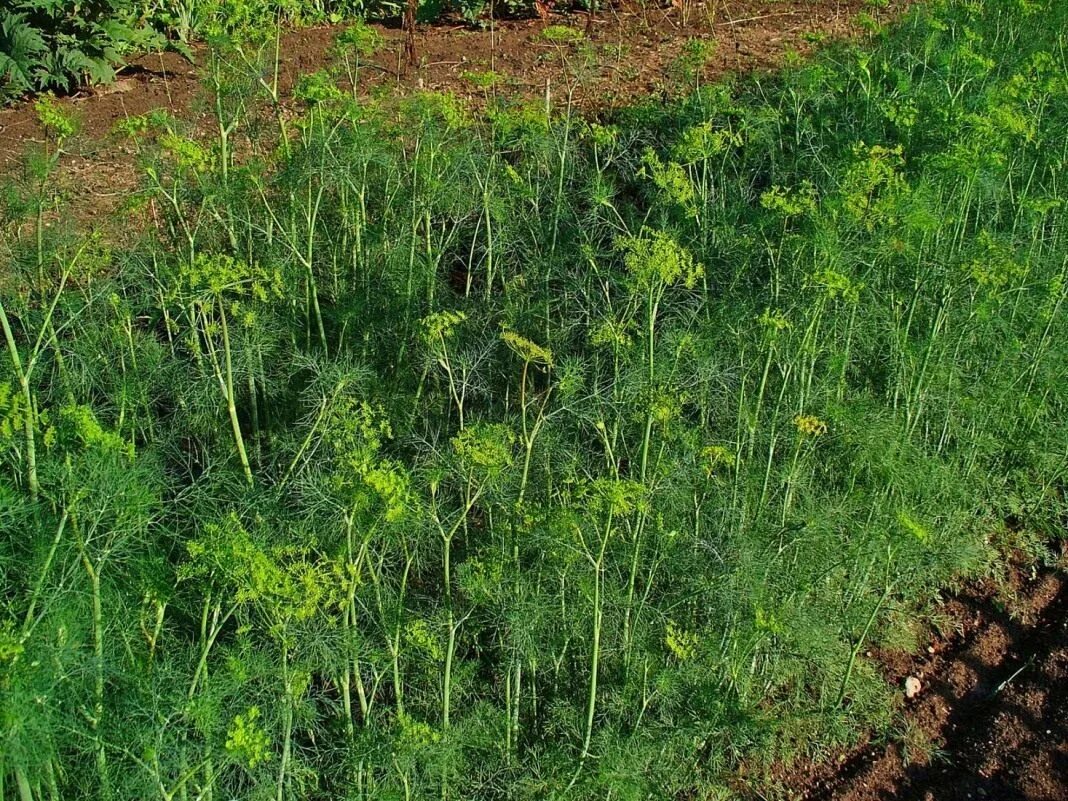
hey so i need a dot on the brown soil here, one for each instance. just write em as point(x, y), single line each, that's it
point(625, 52)
point(991, 721)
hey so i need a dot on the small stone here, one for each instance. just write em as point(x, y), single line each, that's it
point(912, 687)
point(930, 649)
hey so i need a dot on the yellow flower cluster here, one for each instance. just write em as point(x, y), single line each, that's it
point(717, 457)
point(774, 321)
point(656, 258)
point(485, 445)
point(810, 426)
point(672, 180)
point(440, 325)
point(681, 643)
point(418, 635)
point(789, 202)
point(527, 350)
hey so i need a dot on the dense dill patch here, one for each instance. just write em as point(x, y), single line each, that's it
point(414, 455)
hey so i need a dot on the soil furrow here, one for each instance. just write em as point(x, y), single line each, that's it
point(992, 720)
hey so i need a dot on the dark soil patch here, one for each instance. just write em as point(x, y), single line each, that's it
point(992, 719)
point(625, 52)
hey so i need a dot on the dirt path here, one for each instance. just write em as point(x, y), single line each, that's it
point(991, 721)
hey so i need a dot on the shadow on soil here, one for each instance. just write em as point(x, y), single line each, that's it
point(995, 713)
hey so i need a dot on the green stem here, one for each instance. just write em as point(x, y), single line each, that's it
point(28, 417)
point(23, 782)
point(231, 406)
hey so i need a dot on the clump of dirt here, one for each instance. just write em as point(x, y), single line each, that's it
point(991, 721)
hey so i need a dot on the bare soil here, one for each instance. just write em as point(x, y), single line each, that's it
point(991, 721)
point(625, 52)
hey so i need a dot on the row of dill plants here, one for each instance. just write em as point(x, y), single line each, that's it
point(413, 454)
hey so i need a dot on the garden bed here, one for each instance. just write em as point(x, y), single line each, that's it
point(560, 416)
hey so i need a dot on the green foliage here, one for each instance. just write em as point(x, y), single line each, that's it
point(561, 34)
point(246, 740)
point(58, 45)
point(22, 48)
point(414, 455)
point(654, 258)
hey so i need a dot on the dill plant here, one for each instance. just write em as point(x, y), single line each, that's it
point(413, 455)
